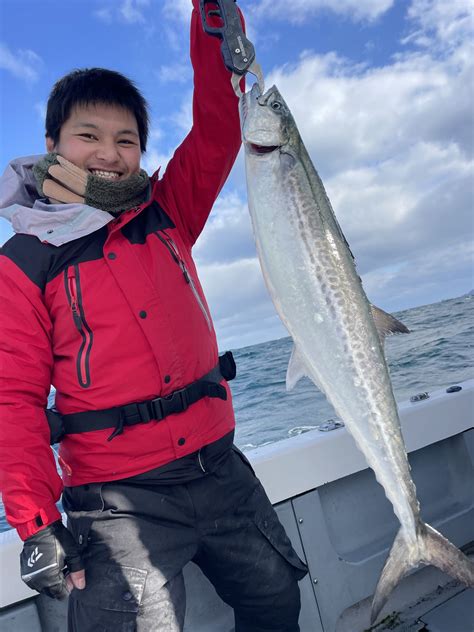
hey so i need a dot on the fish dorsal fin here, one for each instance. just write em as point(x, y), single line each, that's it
point(387, 324)
point(296, 369)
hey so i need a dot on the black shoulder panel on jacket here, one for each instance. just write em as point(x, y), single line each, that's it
point(42, 262)
point(31, 256)
point(151, 219)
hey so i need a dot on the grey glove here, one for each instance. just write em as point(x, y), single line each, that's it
point(47, 558)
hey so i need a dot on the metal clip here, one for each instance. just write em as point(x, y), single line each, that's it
point(238, 51)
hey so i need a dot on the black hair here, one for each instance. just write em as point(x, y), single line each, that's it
point(93, 86)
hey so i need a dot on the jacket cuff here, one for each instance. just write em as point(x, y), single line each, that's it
point(45, 517)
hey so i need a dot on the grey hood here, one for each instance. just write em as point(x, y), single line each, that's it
point(56, 224)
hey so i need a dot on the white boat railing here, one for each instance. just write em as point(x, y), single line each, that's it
point(293, 467)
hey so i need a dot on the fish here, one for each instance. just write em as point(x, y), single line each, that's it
point(338, 335)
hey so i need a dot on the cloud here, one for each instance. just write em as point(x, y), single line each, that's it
point(156, 133)
point(393, 144)
point(132, 10)
point(128, 11)
point(22, 63)
point(300, 10)
point(40, 109)
point(423, 277)
point(445, 24)
point(394, 147)
point(413, 203)
point(104, 15)
point(182, 119)
point(179, 10)
point(348, 114)
point(227, 236)
point(239, 300)
point(154, 159)
point(179, 72)
point(166, 134)
point(175, 38)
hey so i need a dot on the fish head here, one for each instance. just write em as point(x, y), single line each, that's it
point(266, 121)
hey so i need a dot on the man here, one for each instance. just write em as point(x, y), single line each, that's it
point(100, 297)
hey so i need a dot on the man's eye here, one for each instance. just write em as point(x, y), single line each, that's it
point(88, 136)
point(126, 141)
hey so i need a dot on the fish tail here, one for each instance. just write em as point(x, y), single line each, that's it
point(431, 548)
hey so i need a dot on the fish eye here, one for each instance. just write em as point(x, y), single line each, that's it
point(276, 105)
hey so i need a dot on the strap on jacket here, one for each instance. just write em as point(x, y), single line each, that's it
point(143, 412)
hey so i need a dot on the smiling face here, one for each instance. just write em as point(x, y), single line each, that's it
point(101, 139)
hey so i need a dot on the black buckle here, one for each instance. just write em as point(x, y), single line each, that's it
point(135, 413)
point(176, 402)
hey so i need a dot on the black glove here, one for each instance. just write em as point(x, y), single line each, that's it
point(47, 557)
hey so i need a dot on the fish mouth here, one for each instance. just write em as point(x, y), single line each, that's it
point(260, 150)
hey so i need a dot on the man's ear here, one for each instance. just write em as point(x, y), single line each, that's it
point(49, 144)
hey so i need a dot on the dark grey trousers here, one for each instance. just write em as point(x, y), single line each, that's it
point(136, 539)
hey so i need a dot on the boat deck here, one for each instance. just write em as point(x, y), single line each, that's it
point(340, 522)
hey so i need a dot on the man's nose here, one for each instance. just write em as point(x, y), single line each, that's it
point(107, 152)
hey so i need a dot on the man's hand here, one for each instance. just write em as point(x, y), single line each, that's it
point(69, 184)
point(50, 562)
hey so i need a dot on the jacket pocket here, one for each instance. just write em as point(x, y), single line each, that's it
point(72, 282)
point(175, 254)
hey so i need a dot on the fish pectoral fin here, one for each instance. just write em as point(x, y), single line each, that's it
point(296, 369)
point(387, 324)
point(430, 548)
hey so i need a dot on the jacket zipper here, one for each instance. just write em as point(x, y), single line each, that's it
point(74, 296)
point(174, 252)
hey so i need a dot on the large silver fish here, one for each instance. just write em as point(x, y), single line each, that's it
point(338, 335)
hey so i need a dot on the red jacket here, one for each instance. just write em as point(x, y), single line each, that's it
point(110, 319)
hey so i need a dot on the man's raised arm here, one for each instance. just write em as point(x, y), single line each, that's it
point(201, 164)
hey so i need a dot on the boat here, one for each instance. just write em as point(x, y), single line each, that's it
point(340, 523)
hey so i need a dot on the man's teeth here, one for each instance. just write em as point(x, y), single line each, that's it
point(111, 175)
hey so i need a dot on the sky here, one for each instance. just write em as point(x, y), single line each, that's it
point(382, 93)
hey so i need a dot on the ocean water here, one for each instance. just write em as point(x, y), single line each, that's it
point(438, 353)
